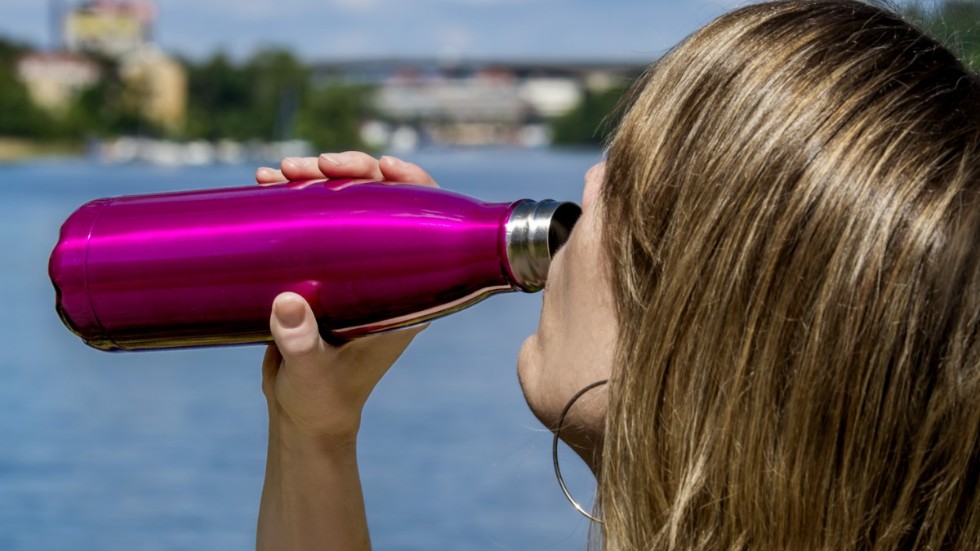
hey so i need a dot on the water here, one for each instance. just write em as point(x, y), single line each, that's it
point(166, 450)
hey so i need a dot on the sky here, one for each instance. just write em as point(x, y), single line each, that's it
point(323, 30)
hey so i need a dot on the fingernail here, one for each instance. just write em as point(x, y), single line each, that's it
point(393, 161)
point(332, 158)
point(290, 317)
point(291, 162)
point(266, 171)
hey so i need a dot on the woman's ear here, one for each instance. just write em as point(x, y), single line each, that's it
point(593, 183)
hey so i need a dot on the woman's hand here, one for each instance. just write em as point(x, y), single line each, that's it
point(351, 164)
point(316, 391)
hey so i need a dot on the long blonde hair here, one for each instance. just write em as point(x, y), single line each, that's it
point(792, 214)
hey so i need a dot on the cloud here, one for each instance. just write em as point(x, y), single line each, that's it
point(357, 6)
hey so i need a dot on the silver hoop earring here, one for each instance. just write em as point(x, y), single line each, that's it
point(554, 450)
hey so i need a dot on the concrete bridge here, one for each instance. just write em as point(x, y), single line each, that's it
point(472, 102)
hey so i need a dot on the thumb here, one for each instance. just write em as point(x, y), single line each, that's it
point(295, 331)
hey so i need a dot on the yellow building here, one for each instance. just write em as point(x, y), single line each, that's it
point(109, 27)
point(158, 84)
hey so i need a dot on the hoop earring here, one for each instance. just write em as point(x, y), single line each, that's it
point(554, 450)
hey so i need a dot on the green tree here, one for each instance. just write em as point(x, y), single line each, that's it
point(109, 107)
point(10, 51)
point(20, 117)
point(590, 121)
point(219, 100)
point(266, 97)
point(257, 99)
point(330, 117)
point(279, 84)
point(955, 23)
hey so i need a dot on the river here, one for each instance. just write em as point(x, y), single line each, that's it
point(166, 450)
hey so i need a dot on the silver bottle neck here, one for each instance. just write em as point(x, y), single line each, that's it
point(534, 233)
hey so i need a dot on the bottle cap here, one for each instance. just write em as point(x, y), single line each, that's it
point(534, 233)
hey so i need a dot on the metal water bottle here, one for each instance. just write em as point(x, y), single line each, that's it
point(202, 268)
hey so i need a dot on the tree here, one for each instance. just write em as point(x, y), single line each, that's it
point(331, 116)
point(591, 121)
point(266, 97)
point(955, 23)
point(109, 107)
point(254, 100)
point(20, 117)
point(279, 84)
point(219, 100)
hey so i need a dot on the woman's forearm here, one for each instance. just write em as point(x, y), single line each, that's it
point(312, 497)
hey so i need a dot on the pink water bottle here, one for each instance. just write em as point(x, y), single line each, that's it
point(202, 268)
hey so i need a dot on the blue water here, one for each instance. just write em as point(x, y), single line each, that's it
point(166, 450)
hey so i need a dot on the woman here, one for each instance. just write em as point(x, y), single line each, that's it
point(777, 270)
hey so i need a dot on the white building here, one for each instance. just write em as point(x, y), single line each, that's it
point(53, 79)
point(550, 96)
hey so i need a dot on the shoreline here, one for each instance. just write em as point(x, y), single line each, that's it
point(14, 150)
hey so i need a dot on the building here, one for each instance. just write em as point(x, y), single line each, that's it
point(550, 97)
point(476, 102)
point(108, 27)
point(158, 84)
point(122, 30)
point(54, 78)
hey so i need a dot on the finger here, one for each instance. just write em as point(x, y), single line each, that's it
point(301, 168)
point(397, 170)
point(266, 175)
point(350, 164)
point(294, 329)
point(270, 367)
